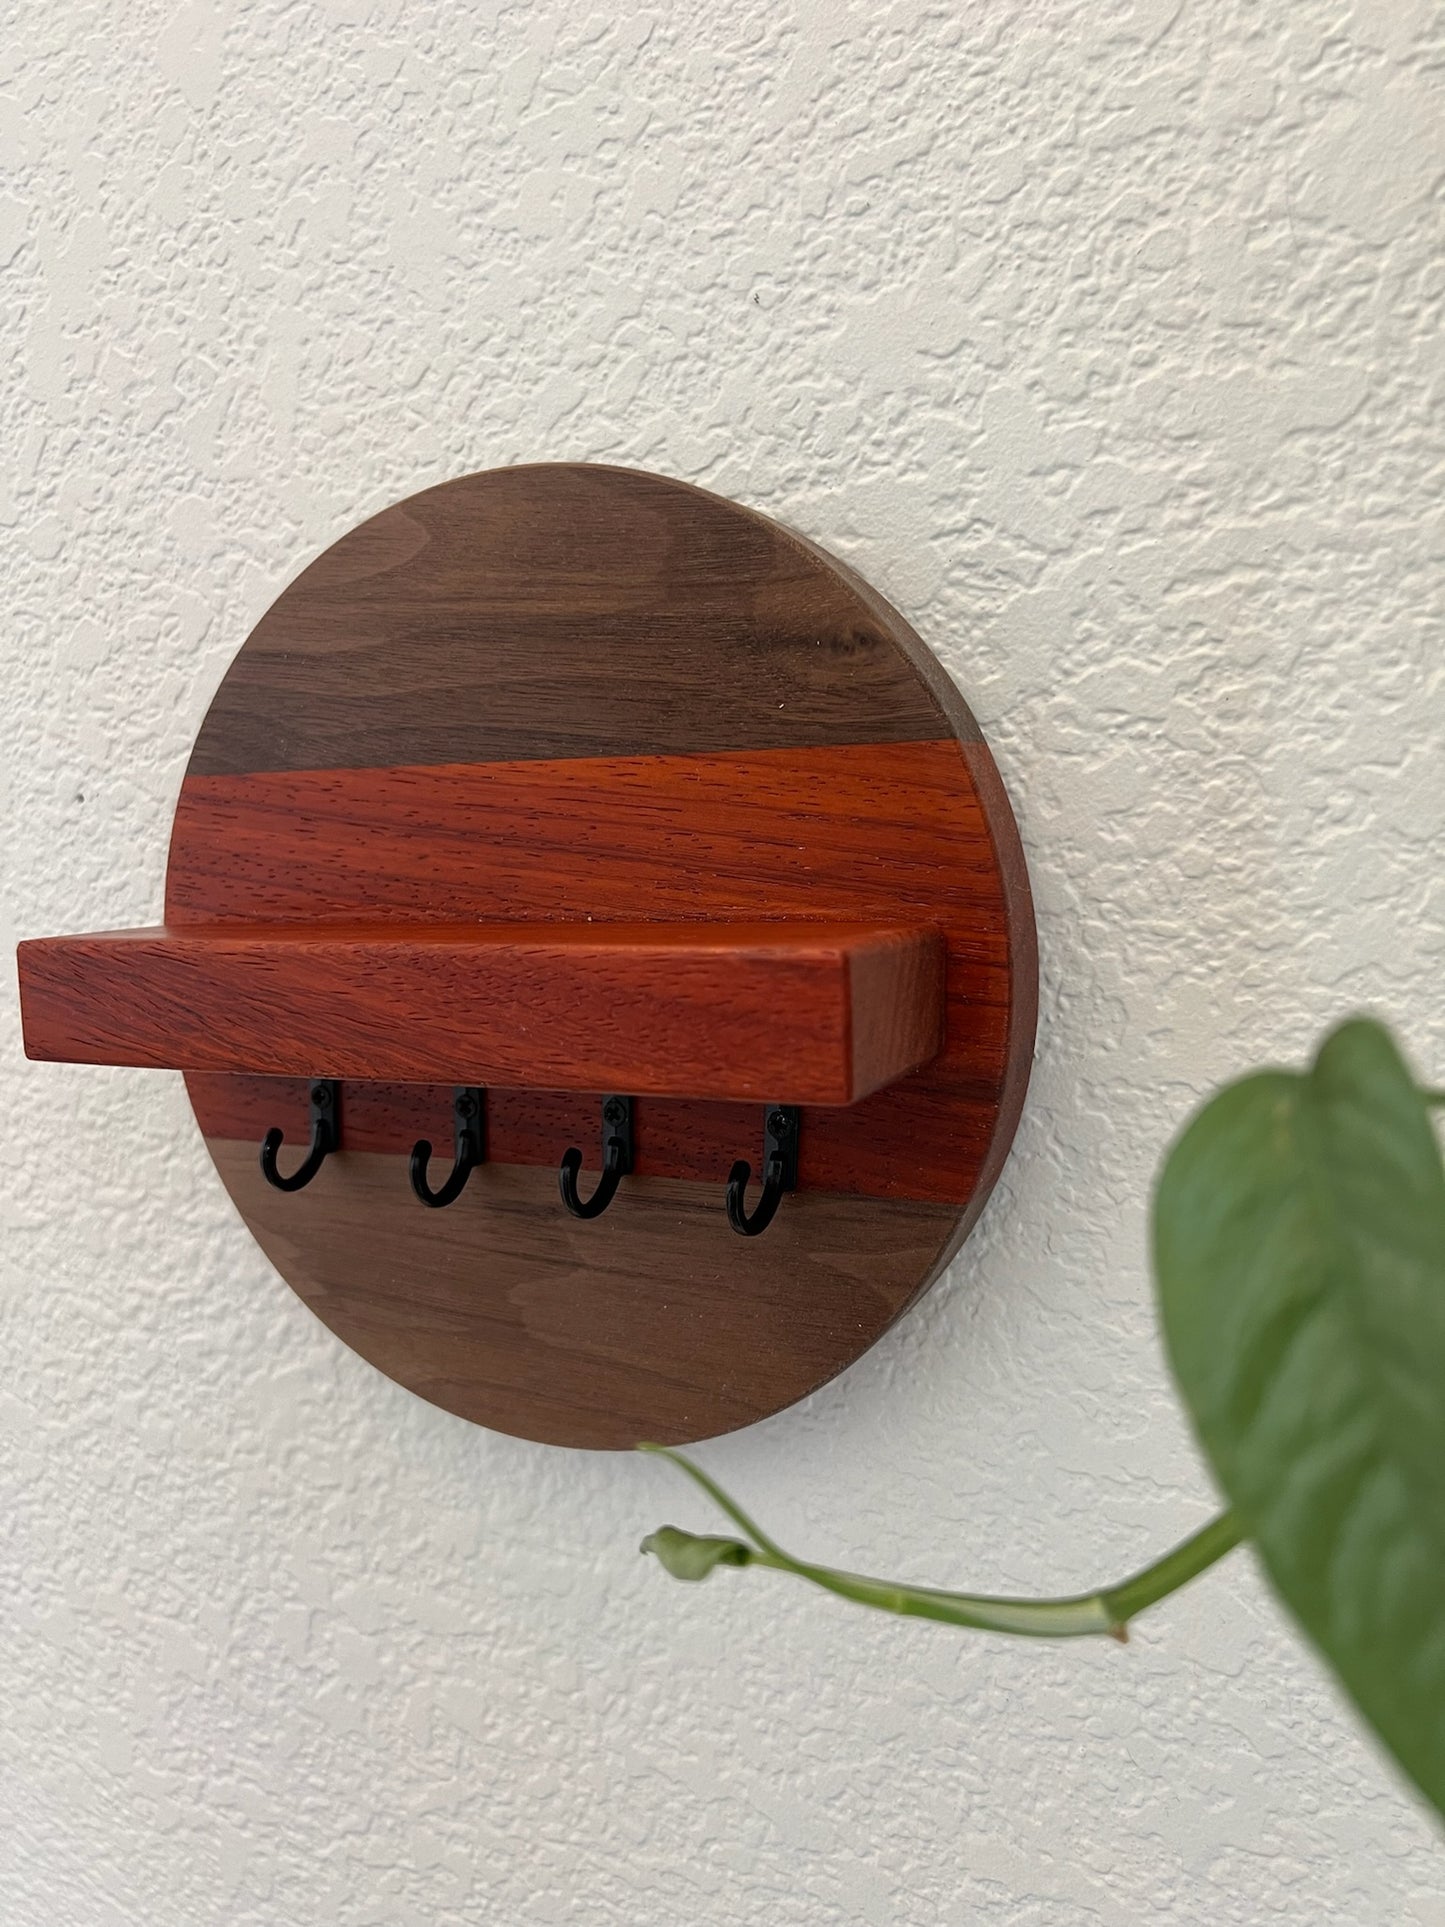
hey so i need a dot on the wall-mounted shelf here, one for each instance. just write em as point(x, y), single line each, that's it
point(612, 841)
point(818, 1013)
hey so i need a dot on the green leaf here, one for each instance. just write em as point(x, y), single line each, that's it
point(691, 1555)
point(1299, 1245)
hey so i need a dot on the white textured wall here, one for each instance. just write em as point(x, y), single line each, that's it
point(1099, 336)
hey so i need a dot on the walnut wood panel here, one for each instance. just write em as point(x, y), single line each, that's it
point(798, 1013)
point(653, 1321)
point(579, 588)
point(568, 693)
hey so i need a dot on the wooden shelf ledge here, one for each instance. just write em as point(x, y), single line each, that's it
point(793, 1012)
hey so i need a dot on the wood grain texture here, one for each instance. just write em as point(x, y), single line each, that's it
point(651, 1322)
point(871, 832)
point(557, 694)
point(578, 587)
point(800, 1013)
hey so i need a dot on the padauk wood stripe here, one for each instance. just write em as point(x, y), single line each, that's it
point(863, 831)
point(872, 832)
point(902, 1143)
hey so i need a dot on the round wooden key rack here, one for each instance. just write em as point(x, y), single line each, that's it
point(602, 835)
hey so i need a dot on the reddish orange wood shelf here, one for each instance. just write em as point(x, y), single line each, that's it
point(790, 1012)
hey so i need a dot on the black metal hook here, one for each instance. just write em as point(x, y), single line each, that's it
point(469, 1149)
point(616, 1161)
point(325, 1107)
point(780, 1172)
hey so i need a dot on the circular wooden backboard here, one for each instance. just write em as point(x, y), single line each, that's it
point(567, 692)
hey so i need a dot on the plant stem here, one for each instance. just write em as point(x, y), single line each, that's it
point(1106, 1611)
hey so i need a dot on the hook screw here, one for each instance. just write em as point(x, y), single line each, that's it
point(325, 1096)
point(780, 1172)
point(616, 1161)
point(469, 1148)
